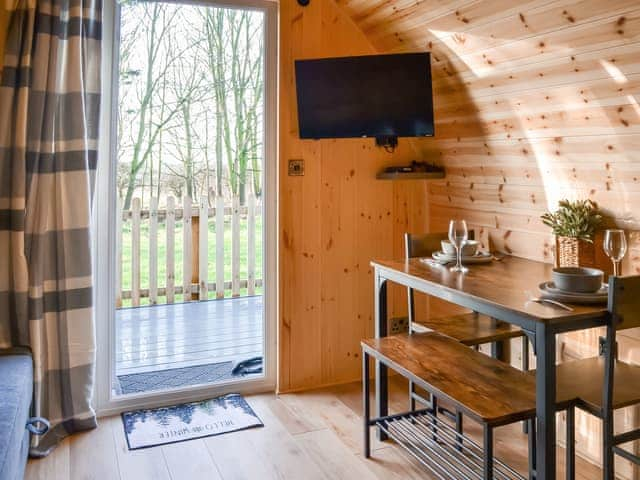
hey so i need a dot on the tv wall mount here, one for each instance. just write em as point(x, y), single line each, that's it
point(388, 142)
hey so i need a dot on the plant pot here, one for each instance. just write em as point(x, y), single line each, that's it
point(572, 252)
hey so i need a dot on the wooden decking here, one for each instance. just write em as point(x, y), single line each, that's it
point(186, 334)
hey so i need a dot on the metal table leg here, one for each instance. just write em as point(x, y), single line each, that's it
point(366, 404)
point(571, 442)
point(382, 387)
point(545, 347)
point(488, 453)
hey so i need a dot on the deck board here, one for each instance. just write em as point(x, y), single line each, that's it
point(186, 334)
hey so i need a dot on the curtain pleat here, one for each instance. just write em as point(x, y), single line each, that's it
point(49, 118)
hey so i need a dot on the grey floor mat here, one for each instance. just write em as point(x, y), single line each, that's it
point(176, 377)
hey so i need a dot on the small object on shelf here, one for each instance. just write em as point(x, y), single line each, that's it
point(416, 170)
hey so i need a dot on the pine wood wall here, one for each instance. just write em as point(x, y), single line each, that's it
point(4, 20)
point(334, 219)
point(535, 101)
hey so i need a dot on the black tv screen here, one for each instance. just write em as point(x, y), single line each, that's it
point(367, 96)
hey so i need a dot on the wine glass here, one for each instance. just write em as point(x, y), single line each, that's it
point(615, 246)
point(458, 235)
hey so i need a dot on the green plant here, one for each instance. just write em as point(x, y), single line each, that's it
point(575, 219)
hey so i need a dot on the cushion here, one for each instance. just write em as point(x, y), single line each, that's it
point(16, 390)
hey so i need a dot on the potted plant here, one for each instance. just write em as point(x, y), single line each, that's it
point(574, 225)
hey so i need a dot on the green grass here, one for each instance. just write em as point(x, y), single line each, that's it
point(178, 247)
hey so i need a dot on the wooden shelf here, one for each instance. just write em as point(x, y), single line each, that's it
point(410, 175)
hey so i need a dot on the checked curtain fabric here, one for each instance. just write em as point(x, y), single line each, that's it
point(49, 110)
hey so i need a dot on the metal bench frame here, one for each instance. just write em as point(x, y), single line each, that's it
point(438, 446)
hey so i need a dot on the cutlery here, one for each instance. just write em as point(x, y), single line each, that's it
point(549, 301)
point(435, 263)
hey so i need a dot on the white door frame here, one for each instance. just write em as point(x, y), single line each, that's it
point(104, 224)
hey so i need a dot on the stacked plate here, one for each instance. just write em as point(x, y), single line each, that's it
point(576, 285)
point(479, 257)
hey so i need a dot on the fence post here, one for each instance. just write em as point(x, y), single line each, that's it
point(219, 246)
point(153, 251)
point(118, 253)
point(235, 247)
point(203, 250)
point(195, 254)
point(135, 253)
point(186, 247)
point(251, 246)
point(170, 260)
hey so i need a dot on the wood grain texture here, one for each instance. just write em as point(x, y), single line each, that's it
point(502, 284)
point(535, 101)
point(585, 379)
point(5, 15)
point(315, 434)
point(471, 329)
point(483, 388)
point(334, 219)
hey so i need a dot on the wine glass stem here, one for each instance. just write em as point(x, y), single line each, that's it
point(616, 268)
point(459, 258)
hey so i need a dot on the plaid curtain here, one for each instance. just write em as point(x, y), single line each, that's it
point(49, 111)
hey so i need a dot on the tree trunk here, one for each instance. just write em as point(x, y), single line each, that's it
point(242, 187)
point(188, 167)
point(129, 195)
point(219, 162)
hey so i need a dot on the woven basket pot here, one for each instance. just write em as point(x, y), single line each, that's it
point(572, 252)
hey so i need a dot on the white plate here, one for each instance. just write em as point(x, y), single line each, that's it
point(549, 290)
point(480, 257)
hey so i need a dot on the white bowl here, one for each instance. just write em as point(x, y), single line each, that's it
point(469, 249)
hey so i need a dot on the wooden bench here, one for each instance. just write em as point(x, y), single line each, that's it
point(485, 389)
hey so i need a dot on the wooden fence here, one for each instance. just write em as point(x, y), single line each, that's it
point(196, 284)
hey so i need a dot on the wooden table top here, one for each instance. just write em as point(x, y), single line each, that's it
point(503, 284)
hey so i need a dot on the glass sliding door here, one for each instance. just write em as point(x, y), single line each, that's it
point(189, 184)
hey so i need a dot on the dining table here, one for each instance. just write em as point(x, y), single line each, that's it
point(504, 290)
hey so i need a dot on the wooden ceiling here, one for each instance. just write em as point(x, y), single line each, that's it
point(534, 100)
point(482, 37)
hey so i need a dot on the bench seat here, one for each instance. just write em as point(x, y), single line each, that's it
point(485, 389)
point(471, 329)
point(581, 382)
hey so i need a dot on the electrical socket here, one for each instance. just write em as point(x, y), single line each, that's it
point(398, 325)
point(296, 168)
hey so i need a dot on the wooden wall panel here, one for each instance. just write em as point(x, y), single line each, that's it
point(334, 219)
point(535, 101)
point(5, 12)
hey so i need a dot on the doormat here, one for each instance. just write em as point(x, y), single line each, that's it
point(188, 376)
point(187, 421)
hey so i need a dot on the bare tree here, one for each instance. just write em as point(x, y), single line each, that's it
point(190, 101)
point(159, 56)
point(188, 84)
point(235, 68)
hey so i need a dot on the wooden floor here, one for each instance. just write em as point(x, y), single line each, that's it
point(307, 436)
point(186, 334)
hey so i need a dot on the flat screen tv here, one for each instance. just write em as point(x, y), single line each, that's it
point(381, 96)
